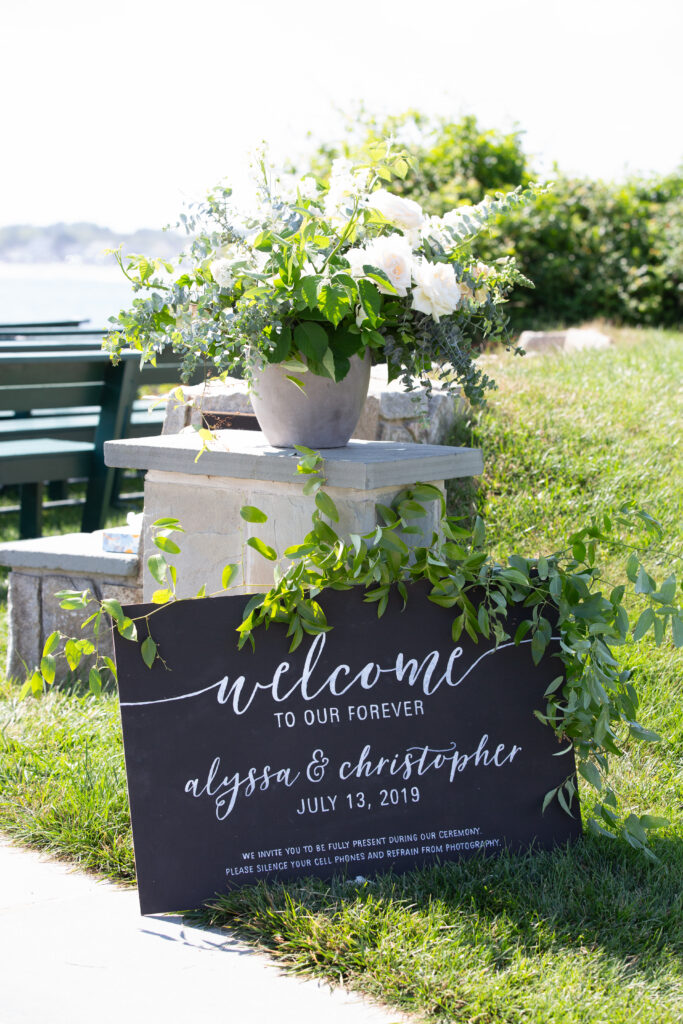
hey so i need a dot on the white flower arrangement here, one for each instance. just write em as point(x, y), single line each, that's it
point(322, 273)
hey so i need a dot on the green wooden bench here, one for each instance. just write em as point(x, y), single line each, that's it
point(69, 442)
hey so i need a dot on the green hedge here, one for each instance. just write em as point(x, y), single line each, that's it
point(593, 249)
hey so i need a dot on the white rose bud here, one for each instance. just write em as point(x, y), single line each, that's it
point(393, 255)
point(404, 213)
point(357, 259)
point(221, 271)
point(437, 292)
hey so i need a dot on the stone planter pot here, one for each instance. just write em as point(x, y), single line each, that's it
point(323, 415)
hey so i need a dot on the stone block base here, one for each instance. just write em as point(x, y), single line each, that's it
point(43, 566)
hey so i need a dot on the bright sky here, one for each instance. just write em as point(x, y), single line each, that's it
point(115, 111)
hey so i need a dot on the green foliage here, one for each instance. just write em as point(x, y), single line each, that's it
point(322, 273)
point(595, 249)
point(449, 163)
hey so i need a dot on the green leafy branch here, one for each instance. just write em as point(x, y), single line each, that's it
point(566, 603)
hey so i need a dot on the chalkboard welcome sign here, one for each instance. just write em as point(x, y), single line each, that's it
point(379, 745)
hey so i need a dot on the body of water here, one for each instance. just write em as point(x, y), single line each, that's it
point(34, 292)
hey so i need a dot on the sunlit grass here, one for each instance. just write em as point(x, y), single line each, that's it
point(589, 933)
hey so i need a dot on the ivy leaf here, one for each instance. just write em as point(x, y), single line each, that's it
point(457, 628)
point(542, 568)
point(632, 567)
point(590, 774)
point(127, 629)
point(667, 591)
point(299, 550)
point(312, 485)
point(579, 550)
point(162, 596)
point(649, 821)
point(71, 599)
point(555, 685)
point(644, 583)
point(148, 650)
point(645, 621)
point(251, 514)
point(677, 630)
point(169, 523)
point(327, 506)
point(228, 574)
point(646, 735)
point(111, 666)
point(633, 827)
point(72, 654)
point(158, 566)
point(95, 681)
point(522, 630)
point(548, 798)
point(538, 646)
point(114, 608)
point(263, 549)
point(166, 544)
point(564, 804)
point(51, 642)
point(329, 364)
point(47, 668)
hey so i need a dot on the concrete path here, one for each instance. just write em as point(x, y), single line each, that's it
point(74, 950)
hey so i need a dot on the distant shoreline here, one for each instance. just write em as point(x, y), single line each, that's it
point(57, 270)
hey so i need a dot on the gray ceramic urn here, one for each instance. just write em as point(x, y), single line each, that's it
point(322, 415)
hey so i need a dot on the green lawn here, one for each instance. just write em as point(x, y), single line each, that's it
point(592, 933)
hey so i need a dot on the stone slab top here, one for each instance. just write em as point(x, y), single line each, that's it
point(68, 552)
point(244, 454)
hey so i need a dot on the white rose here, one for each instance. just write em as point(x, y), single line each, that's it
point(404, 213)
point(393, 255)
point(308, 188)
point(221, 271)
point(357, 258)
point(437, 292)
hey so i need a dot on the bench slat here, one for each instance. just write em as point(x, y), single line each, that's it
point(45, 458)
point(50, 396)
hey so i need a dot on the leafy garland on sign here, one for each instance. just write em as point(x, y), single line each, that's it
point(593, 704)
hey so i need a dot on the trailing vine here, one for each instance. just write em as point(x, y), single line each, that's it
point(592, 704)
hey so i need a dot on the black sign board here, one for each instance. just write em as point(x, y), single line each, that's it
point(379, 745)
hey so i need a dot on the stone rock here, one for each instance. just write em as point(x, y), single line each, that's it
point(230, 395)
point(581, 338)
point(23, 616)
point(367, 428)
point(576, 339)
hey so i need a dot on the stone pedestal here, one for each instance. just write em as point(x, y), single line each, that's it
point(239, 468)
point(43, 566)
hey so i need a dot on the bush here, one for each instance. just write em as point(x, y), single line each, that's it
point(593, 249)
